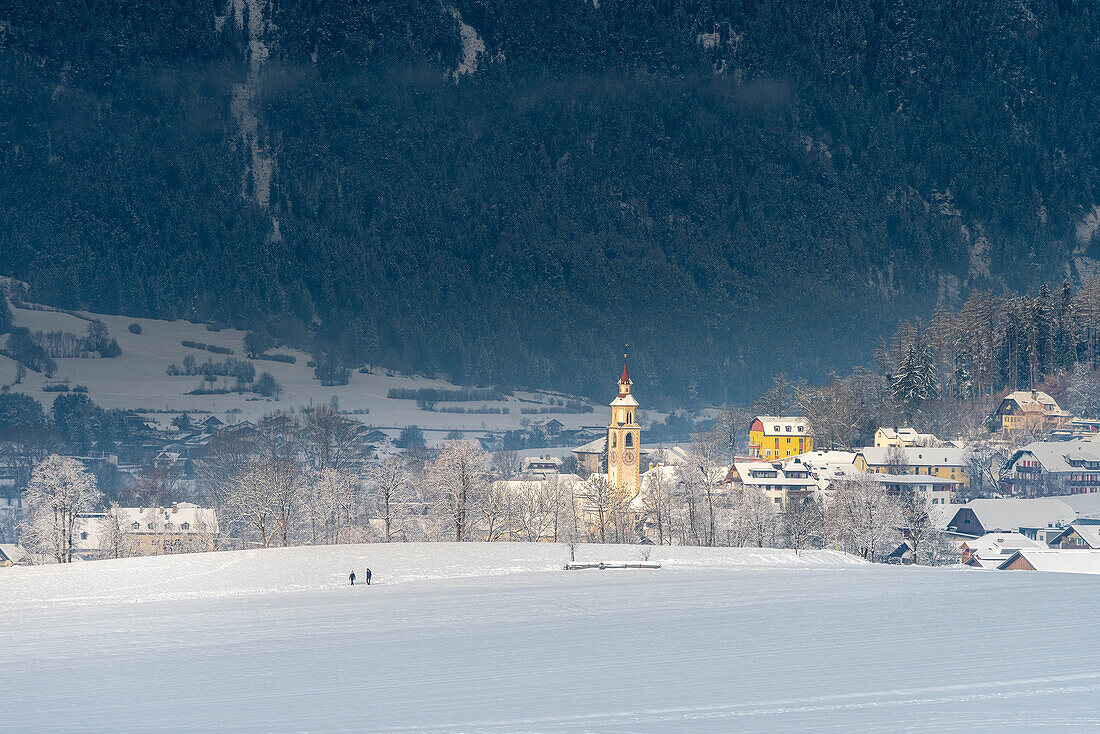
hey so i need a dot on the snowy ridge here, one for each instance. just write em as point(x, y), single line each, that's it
point(321, 568)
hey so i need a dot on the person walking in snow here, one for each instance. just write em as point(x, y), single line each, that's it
point(367, 577)
point(352, 577)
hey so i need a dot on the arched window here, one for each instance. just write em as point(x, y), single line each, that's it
point(185, 526)
point(612, 440)
point(136, 526)
point(629, 440)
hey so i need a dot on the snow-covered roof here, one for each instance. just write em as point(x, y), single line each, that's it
point(627, 400)
point(941, 514)
point(765, 473)
point(522, 485)
point(1085, 505)
point(1034, 400)
point(906, 434)
point(1064, 561)
point(1013, 514)
point(592, 447)
point(1089, 532)
point(915, 455)
point(1001, 545)
point(1053, 455)
point(911, 479)
point(819, 458)
point(777, 425)
point(162, 519)
point(11, 552)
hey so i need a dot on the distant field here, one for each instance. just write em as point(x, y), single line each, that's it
point(498, 638)
point(137, 379)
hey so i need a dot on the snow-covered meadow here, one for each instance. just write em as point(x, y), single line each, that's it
point(498, 638)
point(136, 379)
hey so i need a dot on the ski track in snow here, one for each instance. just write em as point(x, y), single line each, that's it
point(497, 638)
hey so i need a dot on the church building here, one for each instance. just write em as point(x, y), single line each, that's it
point(624, 440)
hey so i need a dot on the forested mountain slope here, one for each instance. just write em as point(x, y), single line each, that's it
point(507, 191)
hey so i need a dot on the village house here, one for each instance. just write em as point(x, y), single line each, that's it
point(181, 528)
point(946, 462)
point(1044, 468)
point(827, 467)
point(771, 437)
point(540, 465)
point(1081, 534)
point(11, 554)
point(1046, 559)
point(1076, 428)
point(549, 429)
point(993, 549)
point(1028, 412)
point(1040, 519)
point(886, 437)
point(935, 490)
point(591, 455)
point(781, 483)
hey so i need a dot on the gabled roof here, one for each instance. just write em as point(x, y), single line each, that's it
point(915, 455)
point(1012, 514)
point(1064, 561)
point(11, 552)
point(1000, 545)
point(1034, 401)
point(777, 426)
point(1085, 505)
point(592, 447)
point(1089, 533)
point(745, 470)
point(1052, 455)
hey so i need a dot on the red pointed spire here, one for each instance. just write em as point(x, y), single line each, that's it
point(625, 379)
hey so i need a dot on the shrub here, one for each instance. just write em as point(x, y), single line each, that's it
point(135, 328)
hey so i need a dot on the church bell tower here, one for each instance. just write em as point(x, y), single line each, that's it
point(624, 440)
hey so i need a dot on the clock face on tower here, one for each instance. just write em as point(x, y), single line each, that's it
point(629, 456)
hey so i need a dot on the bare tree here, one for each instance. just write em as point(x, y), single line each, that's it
point(226, 457)
point(458, 475)
point(603, 503)
point(497, 508)
point(538, 509)
point(115, 537)
point(863, 517)
point(330, 440)
point(803, 524)
point(330, 498)
point(919, 527)
point(60, 490)
point(897, 460)
point(752, 518)
point(265, 499)
point(506, 464)
point(388, 487)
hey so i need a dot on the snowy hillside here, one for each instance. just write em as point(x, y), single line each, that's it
point(137, 380)
point(497, 638)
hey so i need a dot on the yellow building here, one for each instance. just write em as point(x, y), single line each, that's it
point(1029, 412)
point(945, 463)
point(779, 438)
point(624, 440)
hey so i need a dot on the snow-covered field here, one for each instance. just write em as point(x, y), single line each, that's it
point(497, 638)
point(137, 380)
